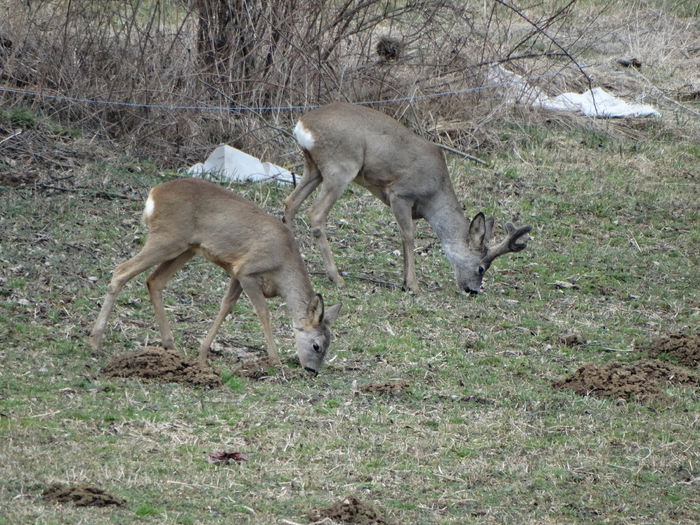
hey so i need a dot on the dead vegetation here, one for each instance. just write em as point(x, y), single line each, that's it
point(127, 71)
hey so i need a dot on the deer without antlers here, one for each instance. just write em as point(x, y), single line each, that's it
point(190, 216)
point(344, 143)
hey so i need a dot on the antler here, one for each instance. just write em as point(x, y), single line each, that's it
point(510, 243)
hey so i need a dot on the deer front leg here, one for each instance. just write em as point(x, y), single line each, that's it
point(252, 289)
point(98, 329)
point(156, 283)
point(229, 299)
point(403, 211)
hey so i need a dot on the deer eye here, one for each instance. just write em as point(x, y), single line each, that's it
point(481, 270)
point(316, 347)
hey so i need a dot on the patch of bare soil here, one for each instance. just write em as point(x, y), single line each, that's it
point(162, 365)
point(81, 495)
point(386, 387)
point(683, 349)
point(17, 178)
point(349, 510)
point(634, 382)
point(572, 339)
point(254, 369)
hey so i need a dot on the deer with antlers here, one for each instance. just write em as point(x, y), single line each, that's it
point(190, 216)
point(344, 143)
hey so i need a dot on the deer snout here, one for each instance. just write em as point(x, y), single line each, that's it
point(311, 370)
point(471, 292)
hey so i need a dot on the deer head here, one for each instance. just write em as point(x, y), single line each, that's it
point(313, 337)
point(470, 270)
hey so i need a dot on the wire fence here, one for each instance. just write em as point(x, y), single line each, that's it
point(261, 109)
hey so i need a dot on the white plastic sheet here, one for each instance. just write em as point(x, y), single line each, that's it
point(594, 102)
point(236, 165)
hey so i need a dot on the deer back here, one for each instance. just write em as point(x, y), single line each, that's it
point(385, 154)
point(227, 229)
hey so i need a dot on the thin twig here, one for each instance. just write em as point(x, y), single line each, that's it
point(633, 242)
point(346, 275)
point(461, 154)
point(99, 194)
point(385, 284)
point(11, 136)
point(608, 349)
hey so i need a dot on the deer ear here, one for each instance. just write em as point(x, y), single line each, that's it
point(332, 313)
point(490, 222)
point(477, 230)
point(315, 309)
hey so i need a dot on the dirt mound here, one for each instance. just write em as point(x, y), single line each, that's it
point(349, 510)
point(162, 365)
point(81, 495)
point(637, 382)
point(386, 387)
point(679, 348)
point(571, 339)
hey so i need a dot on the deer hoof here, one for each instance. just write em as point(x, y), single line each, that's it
point(337, 280)
point(412, 287)
point(95, 342)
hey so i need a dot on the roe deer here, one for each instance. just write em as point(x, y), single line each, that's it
point(343, 143)
point(190, 216)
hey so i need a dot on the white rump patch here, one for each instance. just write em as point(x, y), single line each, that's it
point(304, 137)
point(150, 207)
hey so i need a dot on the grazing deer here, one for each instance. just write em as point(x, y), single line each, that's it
point(343, 143)
point(190, 216)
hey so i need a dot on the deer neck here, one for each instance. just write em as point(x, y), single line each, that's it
point(294, 287)
point(446, 218)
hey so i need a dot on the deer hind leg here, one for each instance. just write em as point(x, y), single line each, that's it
point(156, 283)
point(229, 299)
point(403, 211)
point(252, 289)
point(309, 182)
point(151, 254)
point(334, 182)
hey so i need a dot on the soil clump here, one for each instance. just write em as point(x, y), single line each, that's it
point(386, 387)
point(80, 495)
point(349, 510)
point(632, 382)
point(159, 364)
point(682, 349)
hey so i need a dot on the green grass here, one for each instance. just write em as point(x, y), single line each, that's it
point(479, 436)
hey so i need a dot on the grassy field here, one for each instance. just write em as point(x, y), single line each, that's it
point(433, 407)
point(477, 434)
